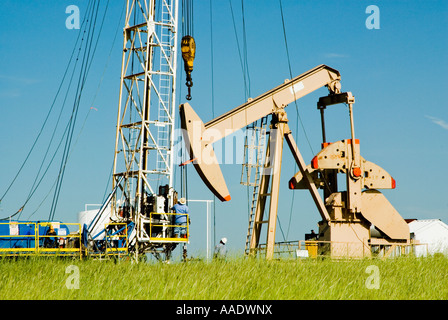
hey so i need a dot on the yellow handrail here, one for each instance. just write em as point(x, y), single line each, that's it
point(63, 244)
point(167, 234)
point(28, 238)
point(119, 248)
point(32, 240)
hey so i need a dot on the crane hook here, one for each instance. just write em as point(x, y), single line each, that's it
point(188, 96)
point(188, 47)
point(189, 84)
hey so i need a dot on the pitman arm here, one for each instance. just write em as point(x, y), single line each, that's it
point(199, 137)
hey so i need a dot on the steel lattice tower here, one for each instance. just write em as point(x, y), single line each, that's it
point(146, 113)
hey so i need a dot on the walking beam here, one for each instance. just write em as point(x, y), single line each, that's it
point(199, 137)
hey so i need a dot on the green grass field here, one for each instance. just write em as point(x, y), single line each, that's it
point(236, 279)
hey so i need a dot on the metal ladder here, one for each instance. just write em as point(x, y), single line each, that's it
point(164, 93)
point(254, 147)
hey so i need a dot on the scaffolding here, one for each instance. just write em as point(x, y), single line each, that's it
point(50, 238)
point(146, 116)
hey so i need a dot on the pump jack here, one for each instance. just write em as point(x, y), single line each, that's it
point(347, 216)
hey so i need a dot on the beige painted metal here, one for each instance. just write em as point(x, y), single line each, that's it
point(349, 239)
point(309, 180)
point(199, 139)
point(346, 216)
point(371, 203)
point(275, 99)
point(277, 137)
point(279, 131)
point(354, 186)
point(238, 118)
point(202, 153)
point(378, 210)
point(344, 226)
point(261, 204)
point(384, 248)
point(373, 176)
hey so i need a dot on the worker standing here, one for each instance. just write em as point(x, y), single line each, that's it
point(180, 220)
point(49, 241)
point(221, 250)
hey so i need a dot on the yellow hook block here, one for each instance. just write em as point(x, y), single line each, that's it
point(188, 47)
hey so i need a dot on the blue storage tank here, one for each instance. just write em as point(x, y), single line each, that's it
point(10, 234)
point(22, 234)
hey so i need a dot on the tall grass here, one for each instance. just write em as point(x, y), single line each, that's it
point(236, 279)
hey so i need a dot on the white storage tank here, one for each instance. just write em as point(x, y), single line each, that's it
point(87, 216)
point(432, 232)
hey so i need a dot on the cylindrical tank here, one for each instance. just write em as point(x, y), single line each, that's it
point(375, 233)
point(87, 216)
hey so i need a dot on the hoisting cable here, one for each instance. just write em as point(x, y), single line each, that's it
point(246, 79)
point(297, 110)
point(246, 75)
point(290, 72)
point(182, 149)
point(35, 186)
point(245, 64)
point(182, 165)
point(36, 183)
point(188, 44)
point(72, 122)
point(45, 121)
point(212, 60)
point(86, 64)
point(85, 119)
point(41, 130)
point(42, 177)
point(247, 88)
point(246, 92)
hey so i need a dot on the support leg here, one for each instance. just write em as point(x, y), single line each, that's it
point(261, 204)
point(275, 186)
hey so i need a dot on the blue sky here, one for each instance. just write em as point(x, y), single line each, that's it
point(397, 74)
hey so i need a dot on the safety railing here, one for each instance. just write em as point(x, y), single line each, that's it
point(111, 241)
point(163, 227)
point(45, 238)
point(379, 249)
point(56, 239)
point(341, 250)
point(384, 250)
point(116, 238)
point(18, 239)
point(333, 249)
